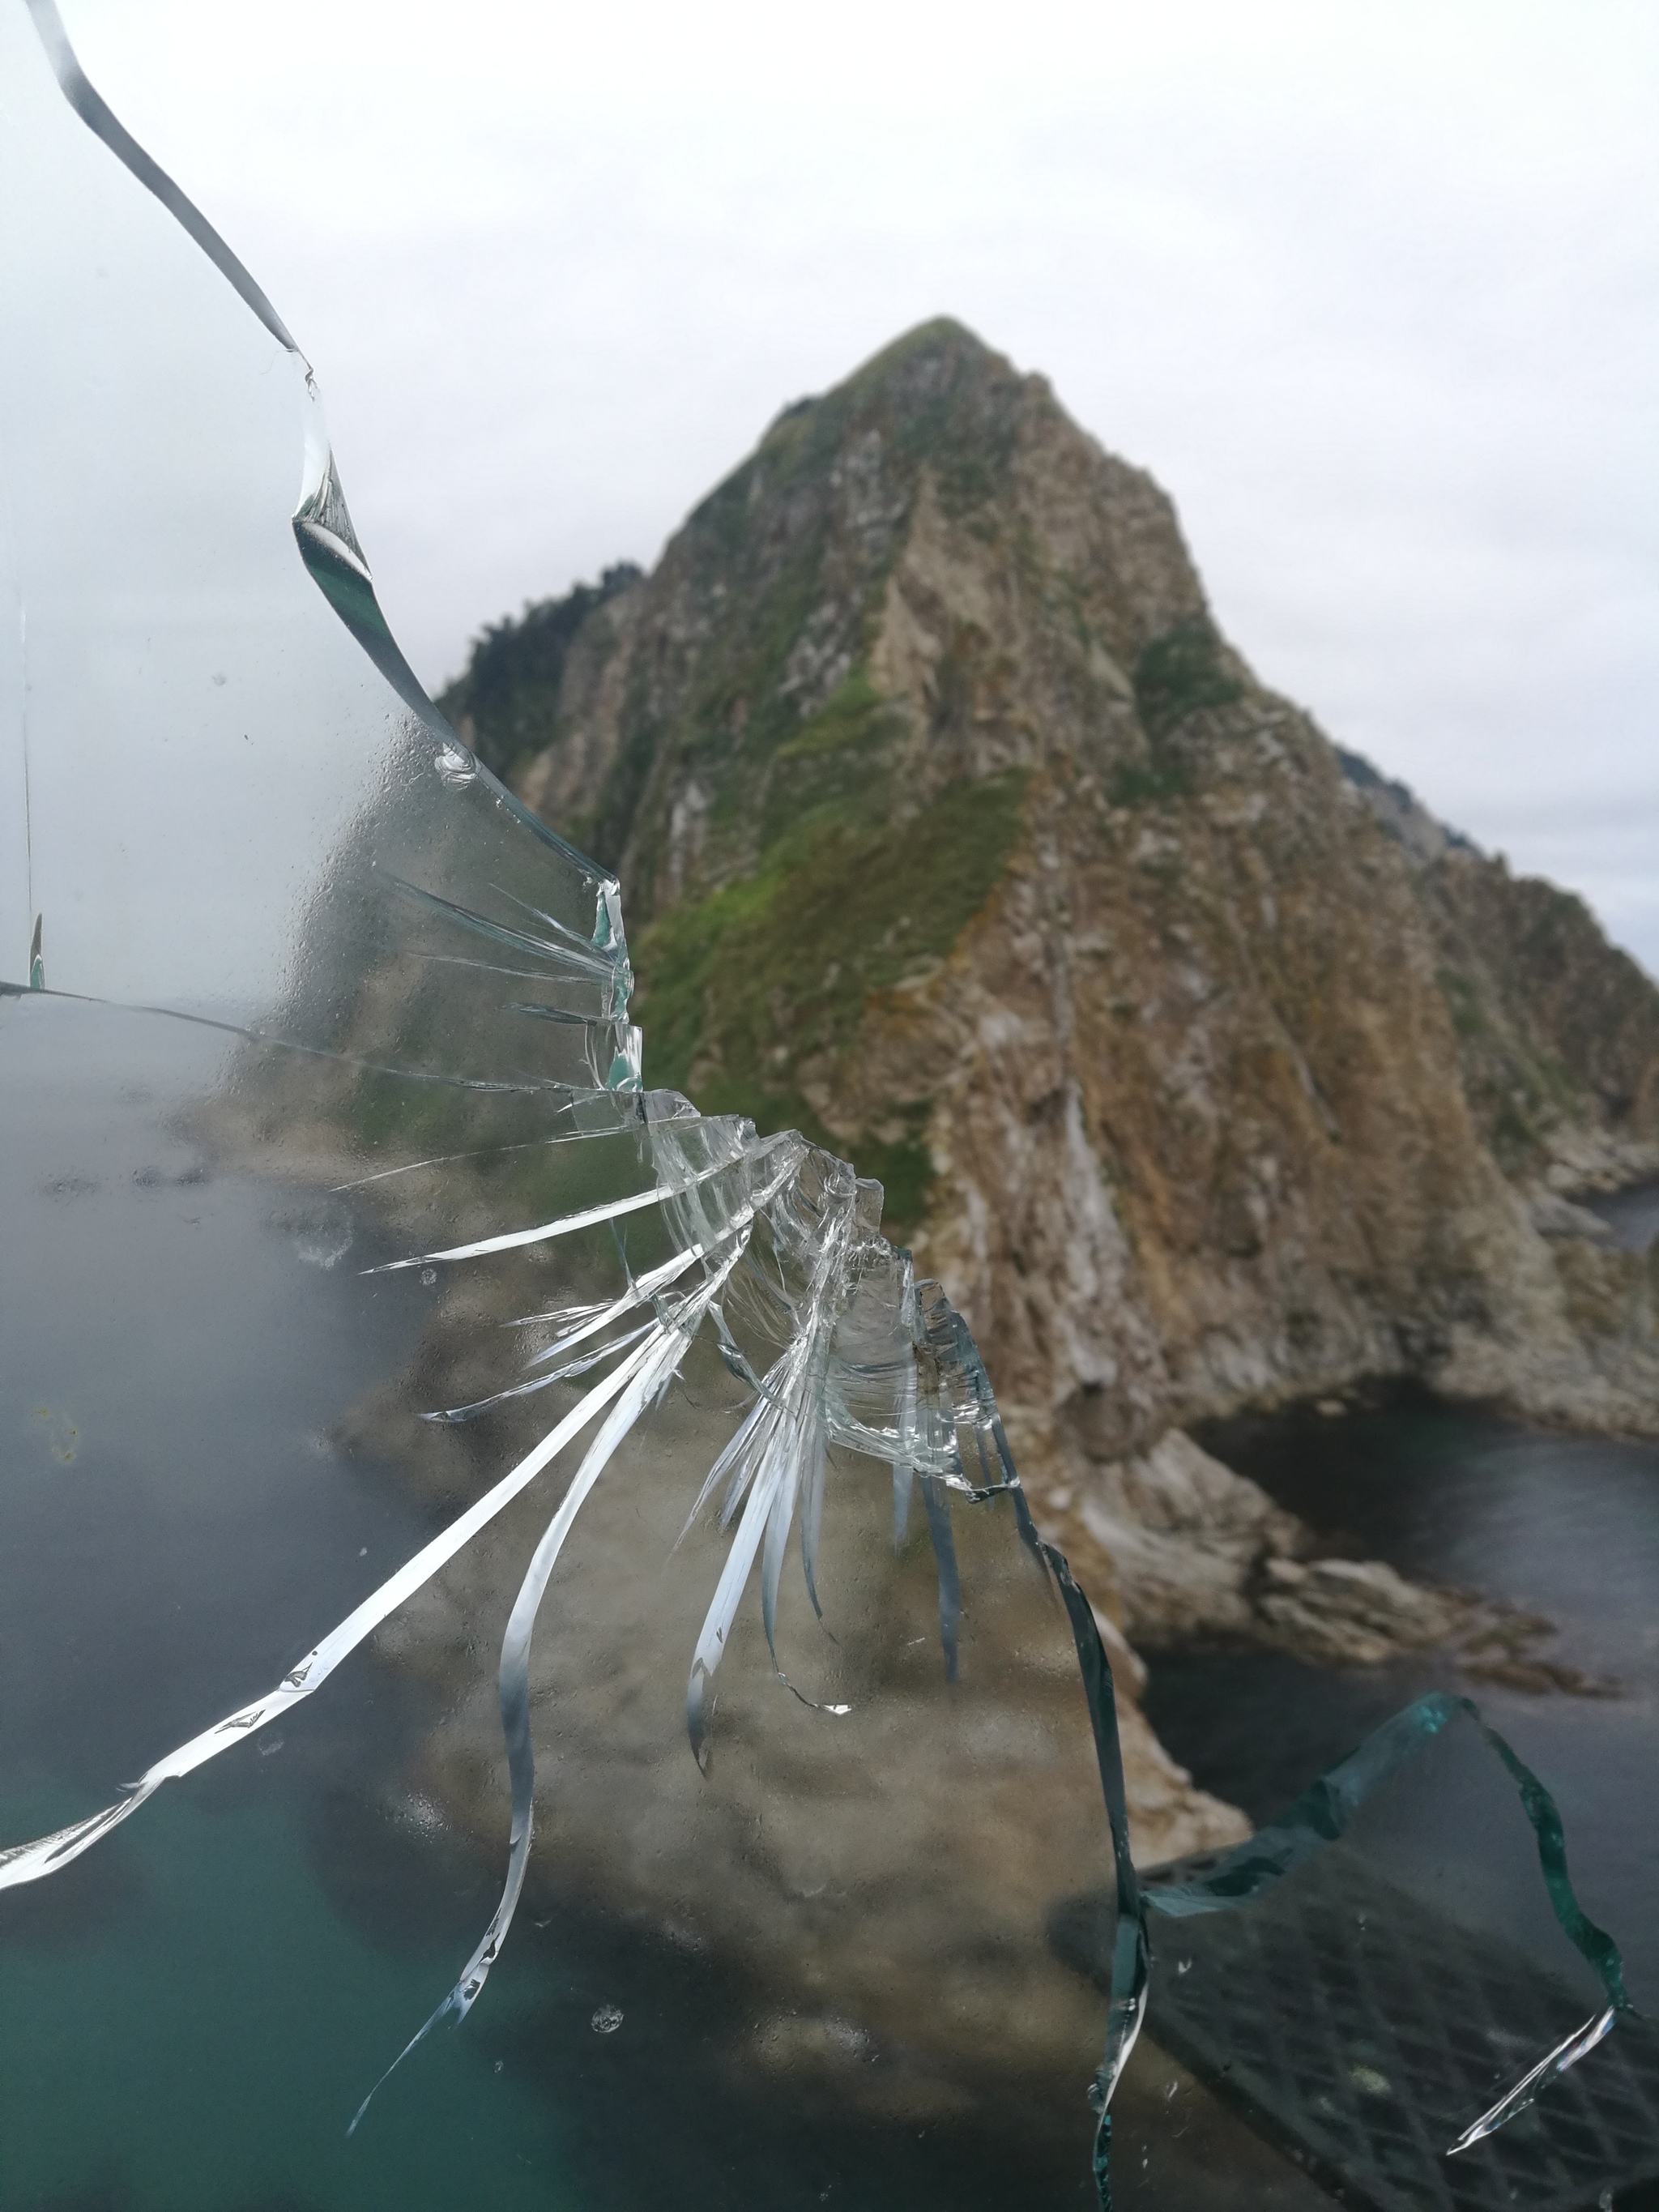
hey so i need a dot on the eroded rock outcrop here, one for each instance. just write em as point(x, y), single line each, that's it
point(1202, 1065)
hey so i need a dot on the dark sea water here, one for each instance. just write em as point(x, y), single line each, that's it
point(1565, 1527)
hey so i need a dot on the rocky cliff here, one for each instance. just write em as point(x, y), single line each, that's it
point(1202, 1065)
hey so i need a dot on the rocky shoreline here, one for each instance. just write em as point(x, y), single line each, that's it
point(1194, 1553)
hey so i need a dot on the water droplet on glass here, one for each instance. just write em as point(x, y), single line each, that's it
point(323, 1245)
point(607, 2020)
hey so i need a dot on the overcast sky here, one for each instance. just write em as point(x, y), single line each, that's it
point(1372, 290)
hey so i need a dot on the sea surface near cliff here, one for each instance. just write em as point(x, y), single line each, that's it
point(1559, 1525)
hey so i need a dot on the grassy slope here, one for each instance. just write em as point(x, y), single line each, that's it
point(745, 985)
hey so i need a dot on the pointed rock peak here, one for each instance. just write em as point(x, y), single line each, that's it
point(936, 387)
point(934, 357)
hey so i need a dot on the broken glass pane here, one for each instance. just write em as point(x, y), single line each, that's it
point(371, 1331)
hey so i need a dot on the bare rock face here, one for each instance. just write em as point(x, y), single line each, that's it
point(1202, 1065)
point(1203, 1068)
point(1189, 1548)
point(1187, 1538)
point(1353, 1612)
point(1551, 1020)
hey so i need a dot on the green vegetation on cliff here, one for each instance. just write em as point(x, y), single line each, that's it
point(778, 577)
point(507, 699)
point(1179, 672)
point(1553, 1024)
point(739, 991)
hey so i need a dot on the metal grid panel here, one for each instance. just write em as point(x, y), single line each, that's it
point(1365, 2032)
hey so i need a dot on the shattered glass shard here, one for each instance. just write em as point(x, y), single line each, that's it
point(307, 948)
